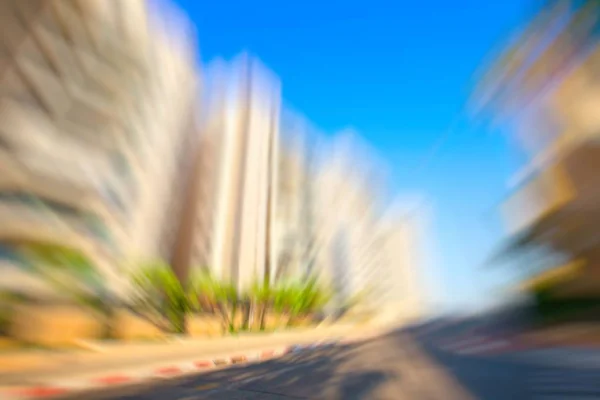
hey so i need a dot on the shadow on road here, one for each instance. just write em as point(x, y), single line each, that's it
point(330, 373)
point(369, 370)
point(485, 377)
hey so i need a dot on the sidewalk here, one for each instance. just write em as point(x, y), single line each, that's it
point(122, 363)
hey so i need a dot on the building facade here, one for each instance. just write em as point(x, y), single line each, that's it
point(236, 167)
point(93, 97)
point(552, 212)
point(401, 273)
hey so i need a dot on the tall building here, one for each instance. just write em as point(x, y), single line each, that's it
point(293, 226)
point(171, 128)
point(287, 225)
point(400, 272)
point(93, 98)
point(231, 230)
point(346, 217)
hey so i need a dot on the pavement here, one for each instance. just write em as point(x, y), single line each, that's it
point(115, 357)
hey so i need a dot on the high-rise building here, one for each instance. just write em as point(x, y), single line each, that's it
point(293, 225)
point(287, 225)
point(400, 272)
point(230, 236)
point(94, 98)
point(345, 218)
point(171, 130)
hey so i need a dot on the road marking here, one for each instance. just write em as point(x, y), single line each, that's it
point(238, 359)
point(42, 391)
point(168, 370)
point(203, 364)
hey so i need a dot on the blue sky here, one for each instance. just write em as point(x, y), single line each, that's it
point(399, 72)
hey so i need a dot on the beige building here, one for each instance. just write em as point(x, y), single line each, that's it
point(345, 216)
point(288, 224)
point(93, 100)
point(402, 290)
point(170, 124)
point(293, 227)
point(555, 197)
point(233, 197)
point(552, 212)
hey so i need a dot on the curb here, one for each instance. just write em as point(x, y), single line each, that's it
point(168, 371)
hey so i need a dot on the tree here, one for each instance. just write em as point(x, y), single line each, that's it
point(209, 295)
point(160, 297)
point(300, 299)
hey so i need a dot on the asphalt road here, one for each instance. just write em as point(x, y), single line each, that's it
point(393, 367)
point(387, 368)
point(559, 374)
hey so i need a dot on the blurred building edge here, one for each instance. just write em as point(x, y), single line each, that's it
point(230, 204)
point(293, 219)
point(554, 211)
point(94, 105)
point(402, 291)
point(349, 230)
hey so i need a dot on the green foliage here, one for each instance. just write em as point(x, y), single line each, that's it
point(208, 291)
point(314, 296)
point(68, 259)
point(207, 294)
point(160, 295)
point(261, 292)
point(68, 269)
point(261, 299)
point(300, 299)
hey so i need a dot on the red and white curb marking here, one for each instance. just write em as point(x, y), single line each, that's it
point(61, 388)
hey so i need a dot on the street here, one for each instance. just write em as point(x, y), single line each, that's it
point(558, 373)
point(389, 367)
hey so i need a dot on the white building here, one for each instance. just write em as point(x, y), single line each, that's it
point(93, 103)
point(234, 197)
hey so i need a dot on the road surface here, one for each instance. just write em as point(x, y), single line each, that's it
point(551, 374)
point(392, 367)
point(389, 367)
